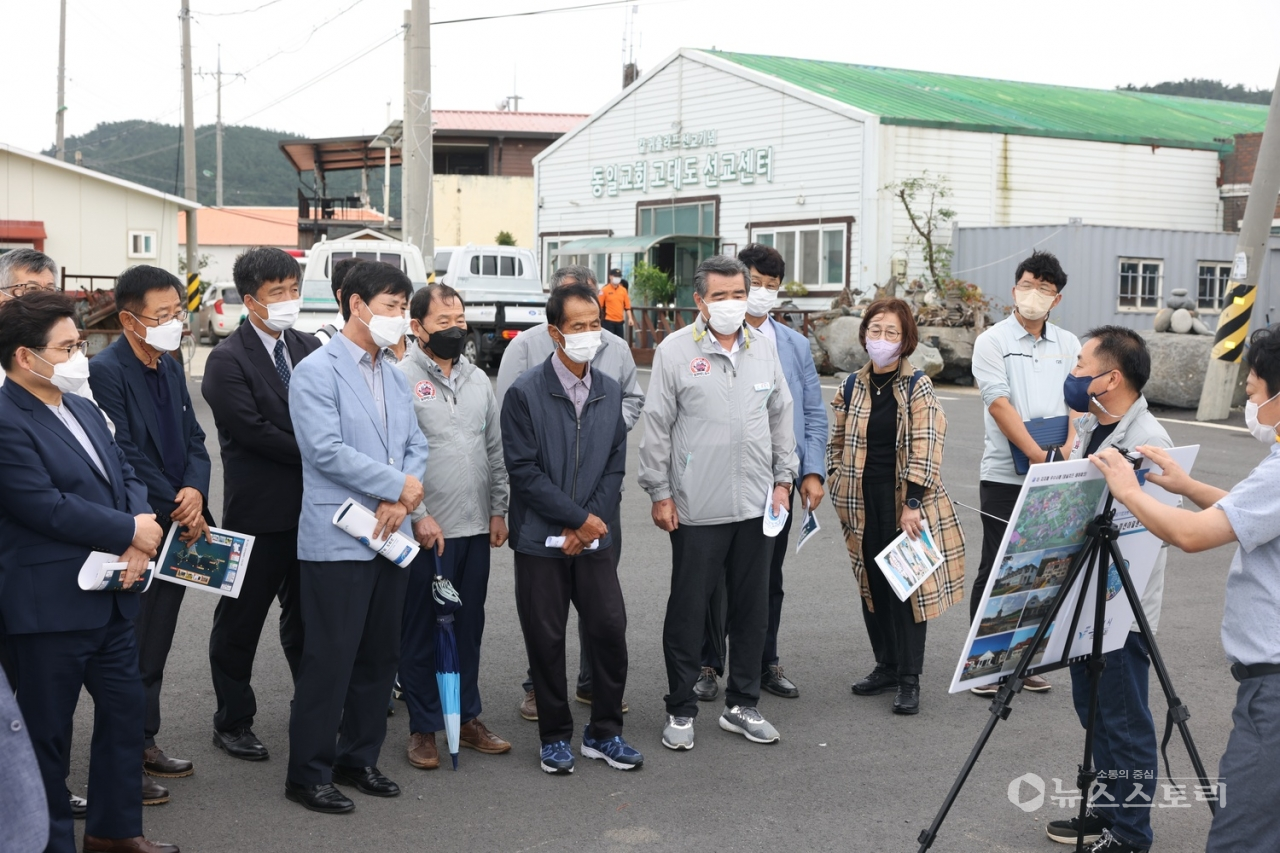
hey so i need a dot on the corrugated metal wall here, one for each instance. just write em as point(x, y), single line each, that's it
point(1090, 255)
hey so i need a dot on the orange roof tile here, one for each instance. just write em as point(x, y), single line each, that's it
point(255, 226)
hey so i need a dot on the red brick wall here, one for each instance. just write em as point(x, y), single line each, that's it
point(1237, 168)
point(517, 156)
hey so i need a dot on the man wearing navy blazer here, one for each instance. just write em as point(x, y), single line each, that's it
point(246, 384)
point(69, 491)
point(768, 269)
point(358, 438)
point(144, 392)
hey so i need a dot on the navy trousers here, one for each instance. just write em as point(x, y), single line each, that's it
point(49, 669)
point(466, 560)
point(1124, 739)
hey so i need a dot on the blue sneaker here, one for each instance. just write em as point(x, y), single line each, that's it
point(616, 752)
point(557, 758)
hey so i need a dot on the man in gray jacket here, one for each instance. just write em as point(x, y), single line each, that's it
point(532, 348)
point(461, 518)
point(718, 446)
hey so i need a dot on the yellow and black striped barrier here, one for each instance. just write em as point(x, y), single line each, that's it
point(194, 293)
point(1233, 322)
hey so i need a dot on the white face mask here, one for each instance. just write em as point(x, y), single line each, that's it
point(386, 331)
point(166, 337)
point(281, 315)
point(582, 347)
point(69, 376)
point(760, 301)
point(1262, 432)
point(1033, 305)
point(727, 315)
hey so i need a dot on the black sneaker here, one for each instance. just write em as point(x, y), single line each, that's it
point(706, 687)
point(1108, 843)
point(1064, 831)
point(876, 683)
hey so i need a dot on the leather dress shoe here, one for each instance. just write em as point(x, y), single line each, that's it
point(156, 763)
point(79, 806)
point(585, 697)
point(1036, 684)
point(778, 684)
point(422, 751)
point(325, 799)
point(529, 707)
point(366, 780)
point(908, 699)
point(138, 844)
point(242, 743)
point(706, 687)
point(876, 683)
point(153, 793)
point(476, 735)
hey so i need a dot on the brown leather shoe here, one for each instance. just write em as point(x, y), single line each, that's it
point(529, 707)
point(155, 762)
point(475, 735)
point(1036, 684)
point(153, 793)
point(126, 845)
point(423, 752)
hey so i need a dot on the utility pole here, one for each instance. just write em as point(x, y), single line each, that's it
point(189, 161)
point(217, 75)
point(404, 136)
point(415, 152)
point(1221, 378)
point(62, 81)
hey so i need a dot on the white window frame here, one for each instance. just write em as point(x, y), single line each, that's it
point(145, 236)
point(821, 229)
point(1224, 276)
point(1139, 308)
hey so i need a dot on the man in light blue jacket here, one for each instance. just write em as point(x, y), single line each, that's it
point(767, 269)
point(353, 417)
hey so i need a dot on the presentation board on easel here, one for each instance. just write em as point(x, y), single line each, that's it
point(1046, 531)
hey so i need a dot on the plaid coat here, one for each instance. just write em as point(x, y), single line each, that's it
point(919, 449)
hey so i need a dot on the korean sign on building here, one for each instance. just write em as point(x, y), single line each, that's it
point(679, 170)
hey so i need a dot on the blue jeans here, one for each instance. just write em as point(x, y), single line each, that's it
point(1124, 739)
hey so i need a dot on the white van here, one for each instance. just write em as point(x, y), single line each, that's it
point(502, 290)
point(319, 308)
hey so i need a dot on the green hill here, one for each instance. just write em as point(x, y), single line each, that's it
point(1199, 87)
point(255, 172)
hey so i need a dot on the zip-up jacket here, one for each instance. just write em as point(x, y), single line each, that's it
point(716, 436)
point(465, 480)
point(562, 466)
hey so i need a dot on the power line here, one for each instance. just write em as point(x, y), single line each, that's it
point(241, 12)
point(534, 12)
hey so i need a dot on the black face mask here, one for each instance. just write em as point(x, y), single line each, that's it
point(447, 343)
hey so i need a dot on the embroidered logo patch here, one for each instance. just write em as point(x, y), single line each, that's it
point(425, 390)
point(700, 366)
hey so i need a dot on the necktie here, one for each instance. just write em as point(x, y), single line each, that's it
point(282, 366)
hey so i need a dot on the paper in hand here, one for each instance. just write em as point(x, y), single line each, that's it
point(773, 524)
point(558, 542)
point(808, 527)
point(102, 572)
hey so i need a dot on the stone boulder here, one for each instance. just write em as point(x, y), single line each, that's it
point(1180, 322)
point(955, 345)
point(1164, 317)
point(1178, 366)
point(838, 343)
point(928, 359)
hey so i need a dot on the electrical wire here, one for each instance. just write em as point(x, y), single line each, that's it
point(535, 12)
point(230, 14)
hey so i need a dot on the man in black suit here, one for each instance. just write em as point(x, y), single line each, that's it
point(246, 383)
point(144, 392)
point(69, 491)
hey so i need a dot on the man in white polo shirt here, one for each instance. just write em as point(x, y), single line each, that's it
point(1020, 365)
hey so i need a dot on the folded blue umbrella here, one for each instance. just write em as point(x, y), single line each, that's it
point(447, 678)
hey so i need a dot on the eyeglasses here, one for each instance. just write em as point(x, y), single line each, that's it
point(766, 283)
point(875, 333)
point(82, 347)
point(28, 287)
point(1043, 289)
point(181, 317)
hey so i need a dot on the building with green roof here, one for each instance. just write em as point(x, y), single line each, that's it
point(710, 150)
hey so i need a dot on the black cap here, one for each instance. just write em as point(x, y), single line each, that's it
point(615, 271)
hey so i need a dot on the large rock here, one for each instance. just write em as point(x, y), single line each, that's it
point(1178, 366)
point(1163, 318)
point(928, 359)
point(838, 341)
point(1180, 322)
point(955, 345)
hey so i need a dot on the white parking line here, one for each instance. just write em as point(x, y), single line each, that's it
point(1202, 424)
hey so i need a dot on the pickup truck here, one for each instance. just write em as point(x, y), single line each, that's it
point(502, 290)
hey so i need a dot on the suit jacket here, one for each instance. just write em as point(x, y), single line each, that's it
point(810, 415)
point(261, 465)
point(115, 374)
point(55, 508)
point(346, 452)
point(24, 813)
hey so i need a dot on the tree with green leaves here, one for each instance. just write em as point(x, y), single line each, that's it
point(923, 198)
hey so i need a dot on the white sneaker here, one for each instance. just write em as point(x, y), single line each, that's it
point(679, 733)
point(748, 723)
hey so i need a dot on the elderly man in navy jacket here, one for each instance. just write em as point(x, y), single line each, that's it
point(767, 269)
point(69, 491)
point(144, 392)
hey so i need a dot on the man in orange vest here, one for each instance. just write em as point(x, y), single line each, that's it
point(615, 302)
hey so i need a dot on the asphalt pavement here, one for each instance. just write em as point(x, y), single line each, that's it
point(847, 773)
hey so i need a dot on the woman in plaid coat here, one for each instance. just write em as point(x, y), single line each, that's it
point(884, 476)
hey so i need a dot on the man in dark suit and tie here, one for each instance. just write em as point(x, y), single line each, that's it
point(246, 383)
point(69, 491)
point(144, 392)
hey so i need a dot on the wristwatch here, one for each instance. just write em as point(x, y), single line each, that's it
point(787, 486)
point(913, 503)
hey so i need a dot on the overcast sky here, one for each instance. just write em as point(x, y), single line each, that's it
point(123, 57)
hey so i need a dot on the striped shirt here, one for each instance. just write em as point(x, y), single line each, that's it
point(1008, 361)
